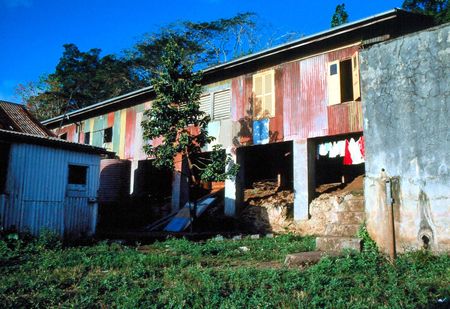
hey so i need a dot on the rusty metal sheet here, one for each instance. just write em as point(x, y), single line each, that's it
point(345, 118)
point(291, 97)
point(312, 121)
point(71, 129)
point(276, 123)
point(130, 127)
point(241, 110)
point(238, 98)
point(110, 121)
point(342, 54)
point(15, 117)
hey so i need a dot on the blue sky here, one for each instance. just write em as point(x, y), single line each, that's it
point(32, 32)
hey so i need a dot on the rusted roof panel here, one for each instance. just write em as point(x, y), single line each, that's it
point(15, 117)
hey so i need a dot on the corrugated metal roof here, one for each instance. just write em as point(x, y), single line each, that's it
point(20, 137)
point(15, 117)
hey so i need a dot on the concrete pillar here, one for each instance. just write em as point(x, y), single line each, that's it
point(304, 177)
point(134, 167)
point(233, 186)
point(230, 190)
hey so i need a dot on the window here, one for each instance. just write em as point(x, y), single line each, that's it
point(107, 135)
point(264, 95)
point(343, 81)
point(77, 174)
point(63, 136)
point(205, 103)
point(217, 104)
point(221, 104)
point(87, 138)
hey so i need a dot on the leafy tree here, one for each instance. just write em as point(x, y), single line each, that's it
point(340, 16)
point(175, 117)
point(80, 79)
point(84, 78)
point(439, 9)
point(43, 98)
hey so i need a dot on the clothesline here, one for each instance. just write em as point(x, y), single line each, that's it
point(352, 151)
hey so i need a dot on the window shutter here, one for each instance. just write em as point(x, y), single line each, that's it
point(222, 102)
point(355, 77)
point(269, 95)
point(205, 104)
point(334, 85)
point(264, 95)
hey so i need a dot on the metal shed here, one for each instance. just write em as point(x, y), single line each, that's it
point(48, 183)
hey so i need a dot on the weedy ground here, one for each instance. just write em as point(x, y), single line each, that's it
point(246, 273)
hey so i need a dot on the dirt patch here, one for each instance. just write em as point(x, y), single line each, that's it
point(355, 187)
point(270, 209)
point(267, 207)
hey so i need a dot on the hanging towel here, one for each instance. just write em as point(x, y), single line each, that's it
point(334, 152)
point(322, 150)
point(341, 147)
point(347, 156)
point(328, 147)
point(355, 152)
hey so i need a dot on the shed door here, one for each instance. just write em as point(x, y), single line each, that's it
point(77, 209)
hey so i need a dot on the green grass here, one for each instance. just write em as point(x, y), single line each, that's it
point(215, 274)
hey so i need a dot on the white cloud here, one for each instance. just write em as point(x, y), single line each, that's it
point(17, 3)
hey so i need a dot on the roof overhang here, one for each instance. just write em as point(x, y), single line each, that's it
point(12, 137)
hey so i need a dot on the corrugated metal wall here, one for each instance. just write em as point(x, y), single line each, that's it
point(301, 106)
point(37, 190)
point(301, 109)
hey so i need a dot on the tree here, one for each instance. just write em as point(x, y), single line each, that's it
point(176, 119)
point(438, 9)
point(80, 79)
point(340, 16)
point(208, 43)
point(83, 78)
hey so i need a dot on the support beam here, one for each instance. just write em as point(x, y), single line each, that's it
point(233, 186)
point(304, 177)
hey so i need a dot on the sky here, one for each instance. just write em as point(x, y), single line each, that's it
point(32, 32)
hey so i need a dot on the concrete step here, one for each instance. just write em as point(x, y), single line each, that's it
point(307, 258)
point(342, 230)
point(348, 217)
point(337, 244)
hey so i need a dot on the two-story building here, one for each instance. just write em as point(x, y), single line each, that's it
point(286, 112)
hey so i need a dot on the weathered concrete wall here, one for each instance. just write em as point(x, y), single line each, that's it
point(406, 95)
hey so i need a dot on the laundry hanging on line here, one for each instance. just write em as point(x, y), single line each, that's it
point(352, 151)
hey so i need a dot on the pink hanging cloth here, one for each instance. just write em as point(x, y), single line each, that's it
point(361, 146)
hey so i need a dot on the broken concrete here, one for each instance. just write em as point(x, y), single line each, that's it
point(307, 258)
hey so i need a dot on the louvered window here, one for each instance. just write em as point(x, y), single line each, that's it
point(216, 104)
point(264, 95)
point(222, 101)
point(205, 104)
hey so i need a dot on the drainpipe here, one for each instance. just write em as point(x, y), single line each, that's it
point(390, 208)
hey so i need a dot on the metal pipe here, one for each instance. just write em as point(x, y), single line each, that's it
point(391, 222)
